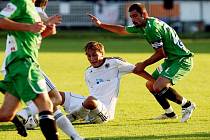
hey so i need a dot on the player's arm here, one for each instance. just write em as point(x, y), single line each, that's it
point(125, 67)
point(158, 55)
point(119, 29)
point(51, 25)
point(55, 19)
point(145, 75)
point(8, 24)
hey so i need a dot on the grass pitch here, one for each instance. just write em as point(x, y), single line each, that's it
point(64, 61)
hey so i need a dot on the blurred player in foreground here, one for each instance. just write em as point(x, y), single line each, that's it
point(23, 80)
point(103, 81)
point(167, 45)
point(31, 110)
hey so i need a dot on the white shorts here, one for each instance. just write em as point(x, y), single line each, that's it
point(49, 83)
point(74, 102)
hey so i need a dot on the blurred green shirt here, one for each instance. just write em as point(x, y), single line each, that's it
point(21, 44)
point(159, 34)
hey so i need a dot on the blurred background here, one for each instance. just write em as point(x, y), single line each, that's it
point(185, 16)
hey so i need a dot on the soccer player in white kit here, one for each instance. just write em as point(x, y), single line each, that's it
point(103, 81)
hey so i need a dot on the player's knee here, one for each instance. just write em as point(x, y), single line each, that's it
point(149, 86)
point(90, 103)
point(55, 97)
point(156, 88)
point(161, 83)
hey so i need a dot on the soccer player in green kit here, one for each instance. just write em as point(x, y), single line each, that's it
point(167, 45)
point(23, 79)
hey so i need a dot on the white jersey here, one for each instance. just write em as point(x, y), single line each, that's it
point(103, 82)
point(42, 14)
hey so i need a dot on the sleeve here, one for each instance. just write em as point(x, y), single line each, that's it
point(155, 38)
point(42, 14)
point(131, 29)
point(124, 67)
point(11, 11)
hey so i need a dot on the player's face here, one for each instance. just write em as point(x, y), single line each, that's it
point(137, 19)
point(95, 57)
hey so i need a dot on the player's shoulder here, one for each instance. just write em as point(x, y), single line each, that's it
point(152, 23)
point(115, 59)
point(19, 2)
point(88, 68)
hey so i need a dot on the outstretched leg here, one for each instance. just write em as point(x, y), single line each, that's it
point(7, 113)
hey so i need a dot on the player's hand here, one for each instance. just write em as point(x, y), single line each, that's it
point(94, 19)
point(139, 68)
point(37, 27)
point(56, 19)
point(50, 30)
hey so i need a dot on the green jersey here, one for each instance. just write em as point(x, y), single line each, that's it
point(21, 44)
point(159, 34)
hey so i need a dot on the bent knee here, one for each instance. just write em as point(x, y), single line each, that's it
point(149, 86)
point(90, 103)
point(55, 97)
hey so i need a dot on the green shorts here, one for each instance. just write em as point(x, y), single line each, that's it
point(24, 80)
point(174, 70)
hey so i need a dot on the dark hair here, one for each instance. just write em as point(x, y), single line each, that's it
point(139, 7)
point(41, 3)
point(94, 45)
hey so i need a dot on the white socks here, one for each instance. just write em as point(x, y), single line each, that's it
point(184, 101)
point(169, 110)
point(31, 109)
point(64, 124)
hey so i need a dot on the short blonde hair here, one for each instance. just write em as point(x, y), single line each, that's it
point(94, 45)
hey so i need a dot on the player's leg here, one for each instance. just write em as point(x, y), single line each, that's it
point(173, 73)
point(61, 120)
point(8, 110)
point(31, 108)
point(55, 97)
point(169, 112)
point(99, 114)
point(72, 104)
point(159, 86)
point(65, 125)
point(46, 119)
point(30, 85)
point(52, 91)
point(7, 85)
point(89, 109)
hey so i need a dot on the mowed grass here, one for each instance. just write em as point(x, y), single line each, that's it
point(64, 62)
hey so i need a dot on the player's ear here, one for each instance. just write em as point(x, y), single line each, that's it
point(144, 14)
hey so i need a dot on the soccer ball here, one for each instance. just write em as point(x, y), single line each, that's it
point(32, 122)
